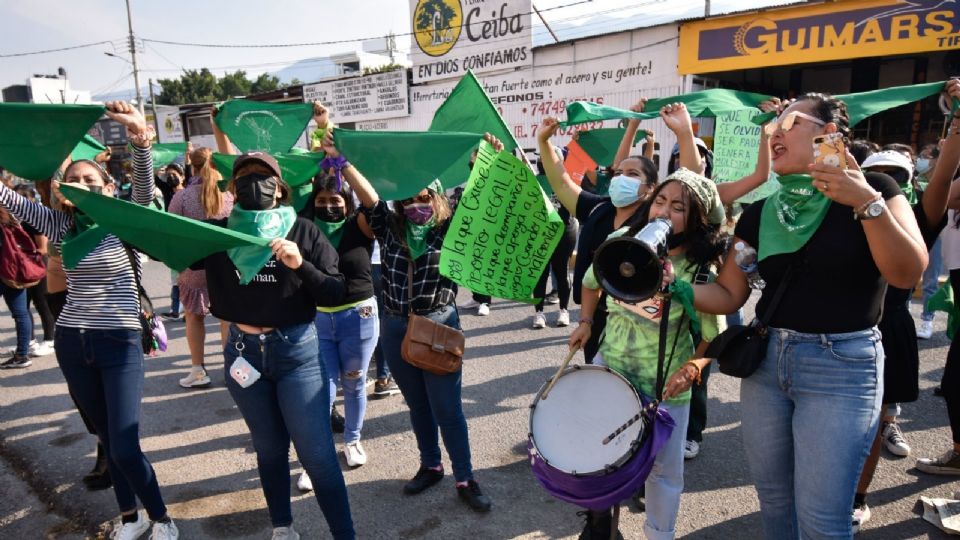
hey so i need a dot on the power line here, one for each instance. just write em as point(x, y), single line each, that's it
point(335, 42)
point(11, 55)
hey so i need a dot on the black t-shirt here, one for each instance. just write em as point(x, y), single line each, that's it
point(277, 296)
point(898, 298)
point(355, 250)
point(596, 215)
point(836, 287)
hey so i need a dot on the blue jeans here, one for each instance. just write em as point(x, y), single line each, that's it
point(665, 483)
point(931, 277)
point(434, 400)
point(810, 413)
point(290, 401)
point(383, 371)
point(16, 300)
point(104, 372)
point(347, 339)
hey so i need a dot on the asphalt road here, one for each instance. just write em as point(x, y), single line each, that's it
point(202, 452)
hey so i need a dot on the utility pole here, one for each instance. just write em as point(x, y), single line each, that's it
point(133, 56)
point(153, 105)
point(392, 47)
point(706, 8)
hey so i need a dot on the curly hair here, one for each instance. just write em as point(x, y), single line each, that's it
point(704, 243)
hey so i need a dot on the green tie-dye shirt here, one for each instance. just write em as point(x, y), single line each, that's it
point(631, 340)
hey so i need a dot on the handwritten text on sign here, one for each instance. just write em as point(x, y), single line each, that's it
point(504, 230)
point(736, 145)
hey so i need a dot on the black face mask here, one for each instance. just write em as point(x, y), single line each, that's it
point(329, 214)
point(256, 191)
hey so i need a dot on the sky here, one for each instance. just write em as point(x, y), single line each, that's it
point(38, 25)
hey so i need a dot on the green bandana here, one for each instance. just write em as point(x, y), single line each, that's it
point(81, 240)
point(791, 215)
point(943, 300)
point(266, 224)
point(333, 231)
point(417, 237)
point(705, 103)
point(262, 126)
point(401, 163)
point(166, 153)
point(468, 108)
point(87, 148)
point(183, 242)
point(602, 144)
point(863, 105)
point(909, 192)
point(34, 138)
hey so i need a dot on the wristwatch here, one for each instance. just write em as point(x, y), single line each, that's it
point(872, 209)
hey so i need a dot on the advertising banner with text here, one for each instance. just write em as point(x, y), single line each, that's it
point(818, 33)
point(372, 97)
point(449, 37)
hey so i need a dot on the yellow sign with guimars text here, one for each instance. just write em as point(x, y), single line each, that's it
point(829, 31)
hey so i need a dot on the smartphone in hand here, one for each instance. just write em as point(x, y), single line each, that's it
point(830, 150)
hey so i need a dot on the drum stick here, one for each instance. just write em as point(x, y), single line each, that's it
point(559, 372)
point(621, 429)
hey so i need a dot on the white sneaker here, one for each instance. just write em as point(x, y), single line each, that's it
point(539, 321)
point(861, 515)
point(564, 318)
point(196, 378)
point(483, 310)
point(470, 304)
point(285, 533)
point(354, 454)
point(303, 484)
point(13, 350)
point(130, 531)
point(43, 348)
point(164, 531)
point(894, 441)
point(926, 330)
point(691, 449)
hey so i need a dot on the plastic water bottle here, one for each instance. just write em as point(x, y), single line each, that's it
point(746, 259)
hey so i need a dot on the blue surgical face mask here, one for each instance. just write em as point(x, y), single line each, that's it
point(923, 165)
point(624, 190)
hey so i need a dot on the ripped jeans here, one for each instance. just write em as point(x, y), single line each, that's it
point(346, 340)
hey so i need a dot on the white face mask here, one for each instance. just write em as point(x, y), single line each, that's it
point(624, 190)
point(923, 165)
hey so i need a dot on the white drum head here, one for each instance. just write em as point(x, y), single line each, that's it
point(588, 404)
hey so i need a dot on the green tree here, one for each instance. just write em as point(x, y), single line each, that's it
point(192, 87)
point(425, 14)
point(235, 84)
point(264, 83)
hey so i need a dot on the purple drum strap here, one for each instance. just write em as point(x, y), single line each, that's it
point(602, 492)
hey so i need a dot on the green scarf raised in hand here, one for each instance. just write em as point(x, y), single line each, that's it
point(81, 240)
point(332, 230)
point(791, 215)
point(417, 237)
point(273, 223)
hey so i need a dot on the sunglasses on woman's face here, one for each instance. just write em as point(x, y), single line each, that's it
point(786, 122)
point(418, 199)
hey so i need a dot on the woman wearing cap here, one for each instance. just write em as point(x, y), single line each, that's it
point(411, 237)
point(202, 201)
point(901, 370)
point(272, 367)
point(836, 237)
point(347, 331)
point(630, 343)
point(98, 342)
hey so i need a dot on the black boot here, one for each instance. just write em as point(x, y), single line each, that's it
point(337, 422)
point(598, 526)
point(99, 477)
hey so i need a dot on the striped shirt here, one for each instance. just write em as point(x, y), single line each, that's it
point(101, 290)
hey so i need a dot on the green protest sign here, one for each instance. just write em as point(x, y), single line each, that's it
point(736, 145)
point(87, 148)
point(262, 126)
point(504, 230)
